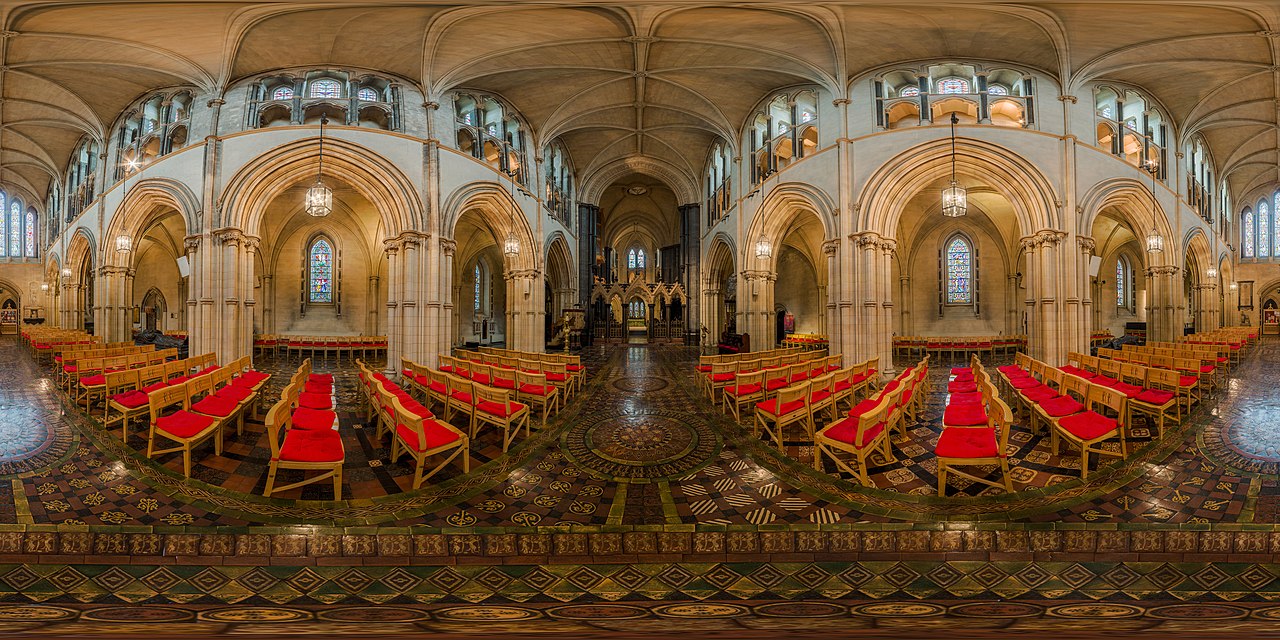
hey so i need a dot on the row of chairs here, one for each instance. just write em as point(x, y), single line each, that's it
point(302, 431)
point(976, 424)
point(788, 355)
point(414, 428)
point(867, 426)
point(553, 366)
point(1193, 377)
point(494, 355)
point(200, 407)
point(805, 341)
point(805, 397)
point(751, 387)
point(320, 346)
point(1204, 363)
point(952, 346)
point(1084, 408)
point(125, 391)
point(87, 372)
point(42, 342)
point(797, 365)
point(504, 399)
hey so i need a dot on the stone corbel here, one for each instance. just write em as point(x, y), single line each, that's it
point(1086, 244)
point(391, 246)
point(448, 247)
point(830, 247)
point(191, 243)
point(251, 243)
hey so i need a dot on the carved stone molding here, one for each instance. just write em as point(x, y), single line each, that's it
point(413, 239)
point(1163, 270)
point(1068, 98)
point(887, 245)
point(758, 274)
point(830, 247)
point(251, 243)
point(865, 239)
point(391, 245)
point(1041, 238)
point(228, 235)
point(191, 243)
point(1086, 244)
point(448, 247)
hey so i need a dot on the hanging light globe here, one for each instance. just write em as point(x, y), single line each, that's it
point(1233, 286)
point(319, 199)
point(1155, 241)
point(512, 245)
point(764, 248)
point(955, 200)
point(1211, 273)
point(124, 244)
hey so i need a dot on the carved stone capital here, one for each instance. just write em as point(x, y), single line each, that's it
point(431, 105)
point(1163, 270)
point(887, 245)
point(192, 243)
point(830, 247)
point(1068, 98)
point(216, 102)
point(413, 239)
point(865, 239)
point(840, 101)
point(448, 247)
point(759, 274)
point(521, 274)
point(228, 235)
point(251, 243)
point(1044, 237)
point(1086, 244)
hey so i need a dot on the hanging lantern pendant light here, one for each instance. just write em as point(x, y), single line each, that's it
point(955, 198)
point(1155, 241)
point(319, 199)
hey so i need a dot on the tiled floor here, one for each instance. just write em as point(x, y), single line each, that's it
point(639, 446)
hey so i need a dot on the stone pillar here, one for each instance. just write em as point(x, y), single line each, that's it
point(115, 285)
point(395, 285)
point(588, 219)
point(249, 246)
point(691, 266)
point(415, 252)
point(755, 294)
point(201, 322)
point(1206, 306)
point(449, 310)
point(905, 323)
point(1162, 311)
point(1047, 335)
point(234, 295)
point(371, 318)
point(1085, 322)
point(268, 303)
point(713, 315)
point(867, 324)
point(883, 301)
point(525, 310)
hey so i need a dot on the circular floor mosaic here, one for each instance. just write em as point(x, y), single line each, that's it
point(640, 384)
point(641, 446)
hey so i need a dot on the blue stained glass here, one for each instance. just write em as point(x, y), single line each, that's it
point(1247, 224)
point(640, 259)
point(321, 290)
point(30, 240)
point(909, 92)
point(4, 246)
point(1275, 227)
point(631, 259)
point(959, 272)
point(367, 94)
point(475, 303)
point(1264, 236)
point(282, 93)
point(953, 85)
point(997, 90)
point(326, 88)
point(1122, 281)
point(15, 229)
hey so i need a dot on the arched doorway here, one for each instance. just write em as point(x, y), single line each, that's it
point(154, 311)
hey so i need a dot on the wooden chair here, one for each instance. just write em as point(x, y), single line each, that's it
point(1094, 426)
point(461, 398)
point(857, 435)
point(125, 398)
point(789, 406)
point(722, 375)
point(303, 449)
point(747, 388)
point(1158, 398)
point(822, 397)
point(422, 438)
point(977, 446)
point(180, 425)
point(535, 389)
point(495, 406)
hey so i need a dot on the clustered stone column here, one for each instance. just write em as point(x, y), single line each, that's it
point(755, 295)
point(115, 322)
point(201, 318)
point(1206, 306)
point(866, 329)
point(1162, 308)
point(526, 309)
point(829, 297)
point(1049, 339)
point(1081, 324)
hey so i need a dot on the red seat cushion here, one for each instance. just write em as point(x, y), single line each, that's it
point(770, 407)
point(557, 377)
point(1088, 425)
point(964, 415)
point(1009, 369)
point(437, 387)
point(577, 367)
point(799, 376)
point(155, 386)
point(315, 401)
point(212, 405)
point(702, 368)
point(319, 387)
point(968, 442)
point(1059, 406)
point(435, 435)
point(173, 382)
point(499, 409)
point(1154, 396)
point(843, 385)
point(183, 423)
point(1129, 390)
point(973, 397)
point(313, 419)
point(130, 399)
point(846, 431)
point(723, 377)
point(1024, 383)
point(537, 389)
point(319, 445)
point(1188, 381)
point(321, 377)
point(253, 377)
point(742, 389)
point(960, 371)
point(416, 408)
point(863, 407)
point(234, 393)
point(503, 384)
point(960, 386)
point(819, 396)
point(1036, 394)
point(70, 368)
point(775, 384)
point(1104, 381)
point(93, 381)
point(461, 396)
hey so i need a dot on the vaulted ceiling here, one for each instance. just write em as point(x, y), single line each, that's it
point(646, 79)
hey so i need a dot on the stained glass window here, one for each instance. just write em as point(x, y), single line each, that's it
point(631, 259)
point(959, 272)
point(475, 303)
point(1264, 235)
point(367, 94)
point(640, 258)
point(953, 85)
point(997, 90)
point(321, 290)
point(1275, 227)
point(4, 246)
point(15, 229)
point(805, 116)
point(282, 93)
point(1122, 282)
point(326, 88)
point(1247, 226)
point(909, 92)
point(31, 234)
point(1106, 111)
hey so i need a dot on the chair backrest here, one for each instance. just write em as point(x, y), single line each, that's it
point(798, 391)
point(165, 398)
point(458, 383)
point(89, 365)
point(279, 417)
point(492, 394)
point(718, 368)
point(555, 367)
point(150, 375)
point(825, 382)
point(1109, 368)
point(874, 363)
point(1188, 365)
point(1075, 387)
point(1135, 374)
point(1053, 377)
point(1002, 419)
point(1162, 362)
point(120, 381)
point(198, 387)
point(529, 377)
point(221, 377)
point(1163, 379)
point(878, 414)
point(1106, 401)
